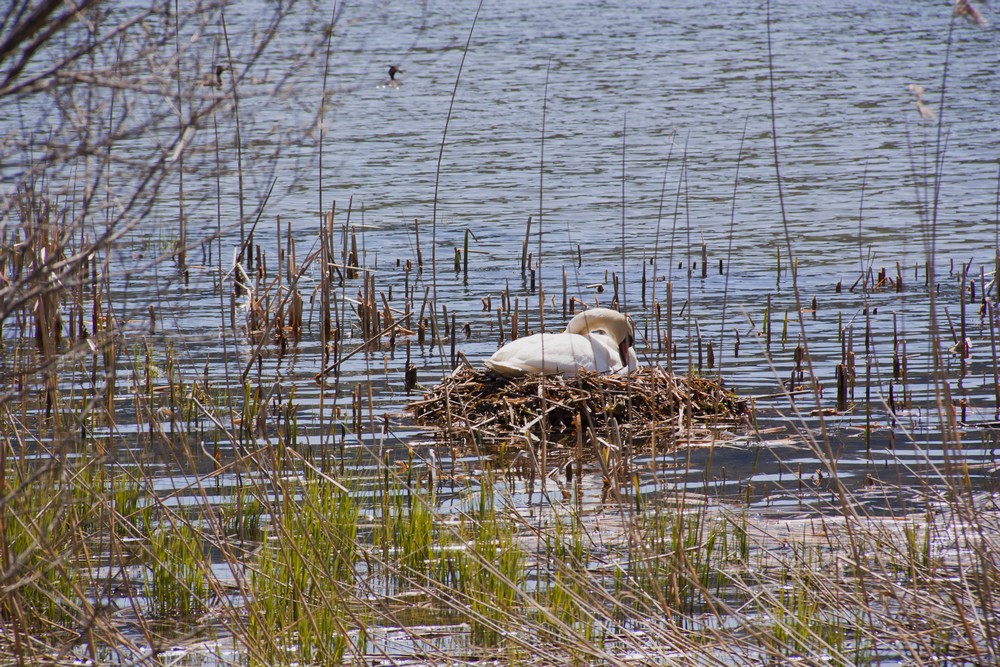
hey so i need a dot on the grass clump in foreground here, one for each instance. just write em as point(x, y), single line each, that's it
point(481, 570)
point(176, 582)
point(40, 522)
point(302, 581)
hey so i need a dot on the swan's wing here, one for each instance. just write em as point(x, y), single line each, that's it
point(546, 354)
point(507, 369)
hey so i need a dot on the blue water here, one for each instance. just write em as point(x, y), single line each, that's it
point(618, 127)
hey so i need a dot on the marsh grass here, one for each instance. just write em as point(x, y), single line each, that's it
point(176, 582)
point(315, 580)
point(300, 581)
point(38, 526)
point(243, 516)
point(487, 573)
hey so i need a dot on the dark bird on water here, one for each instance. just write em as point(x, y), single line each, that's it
point(392, 81)
point(210, 81)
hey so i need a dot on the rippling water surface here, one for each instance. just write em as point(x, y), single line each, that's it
point(619, 129)
point(647, 112)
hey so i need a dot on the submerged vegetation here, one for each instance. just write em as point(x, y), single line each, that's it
point(227, 474)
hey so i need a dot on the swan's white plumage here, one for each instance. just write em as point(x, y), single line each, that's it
point(595, 340)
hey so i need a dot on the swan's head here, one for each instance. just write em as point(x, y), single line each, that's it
point(616, 325)
point(393, 71)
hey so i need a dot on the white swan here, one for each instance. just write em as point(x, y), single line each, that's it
point(599, 339)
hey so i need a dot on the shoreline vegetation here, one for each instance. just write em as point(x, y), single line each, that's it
point(267, 500)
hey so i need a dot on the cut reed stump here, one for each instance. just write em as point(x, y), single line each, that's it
point(488, 409)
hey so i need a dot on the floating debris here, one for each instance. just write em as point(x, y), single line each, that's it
point(649, 402)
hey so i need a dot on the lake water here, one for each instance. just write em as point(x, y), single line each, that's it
point(647, 111)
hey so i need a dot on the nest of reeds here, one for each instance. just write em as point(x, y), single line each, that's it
point(646, 404)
